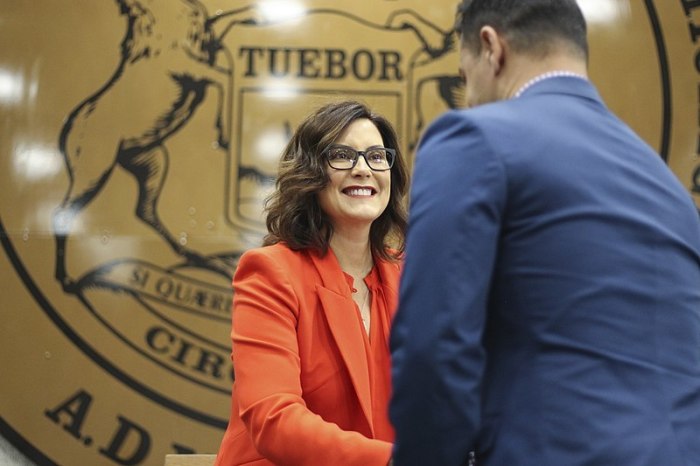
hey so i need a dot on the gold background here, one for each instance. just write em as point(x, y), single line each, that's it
point(92, 342)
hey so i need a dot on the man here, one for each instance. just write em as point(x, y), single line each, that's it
point(550, 302)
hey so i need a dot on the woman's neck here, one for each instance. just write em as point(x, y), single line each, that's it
point(353, 253)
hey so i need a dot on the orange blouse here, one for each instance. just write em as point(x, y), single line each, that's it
point(377, 351)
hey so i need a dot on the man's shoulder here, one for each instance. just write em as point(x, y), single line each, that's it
point(488, 124)
point(483, 116)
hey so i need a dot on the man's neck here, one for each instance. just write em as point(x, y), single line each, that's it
point(523, 69)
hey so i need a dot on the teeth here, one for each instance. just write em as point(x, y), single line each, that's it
point(359, 192)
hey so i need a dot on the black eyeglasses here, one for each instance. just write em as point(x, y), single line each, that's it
point(342, 157)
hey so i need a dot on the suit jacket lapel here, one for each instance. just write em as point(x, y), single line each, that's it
point(339, 308)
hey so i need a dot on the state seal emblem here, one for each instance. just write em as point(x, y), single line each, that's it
point(140, 139)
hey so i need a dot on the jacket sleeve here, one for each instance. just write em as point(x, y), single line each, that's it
point(267, 368)
point(457, 199)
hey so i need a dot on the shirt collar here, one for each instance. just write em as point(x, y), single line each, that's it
point(548, 75)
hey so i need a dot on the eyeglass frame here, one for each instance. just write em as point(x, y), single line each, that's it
point(360, 153)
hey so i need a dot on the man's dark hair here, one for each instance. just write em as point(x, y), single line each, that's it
point(294, 215)
point(530, 26)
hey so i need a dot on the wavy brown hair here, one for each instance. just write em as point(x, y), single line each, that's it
point(294, 215)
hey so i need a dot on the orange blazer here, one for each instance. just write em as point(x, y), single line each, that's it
point(301, 394)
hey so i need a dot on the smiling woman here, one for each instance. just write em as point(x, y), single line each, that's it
point(357, 193)
point(294, 213)
point(312, 309)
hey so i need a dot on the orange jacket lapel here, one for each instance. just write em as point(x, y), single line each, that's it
point(339, 308)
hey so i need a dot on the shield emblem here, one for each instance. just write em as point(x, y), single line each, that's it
point(281, 72)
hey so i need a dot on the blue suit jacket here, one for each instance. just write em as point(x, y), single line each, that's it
point(549, 310)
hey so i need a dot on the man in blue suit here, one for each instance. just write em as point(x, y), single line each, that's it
point(549, 308)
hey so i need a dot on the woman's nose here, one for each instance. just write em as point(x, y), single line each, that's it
point(361, 167)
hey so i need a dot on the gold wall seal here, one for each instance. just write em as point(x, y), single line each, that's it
point(138, 140)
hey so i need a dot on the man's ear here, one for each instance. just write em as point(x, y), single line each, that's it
point(494, 47)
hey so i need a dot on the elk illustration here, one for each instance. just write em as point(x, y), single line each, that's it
point(171, 56)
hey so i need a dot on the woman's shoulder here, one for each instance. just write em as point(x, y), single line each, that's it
point(393, 266)
point(396, 256)
point(278, 253)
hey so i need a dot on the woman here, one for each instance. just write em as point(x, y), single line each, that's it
point(312, 308)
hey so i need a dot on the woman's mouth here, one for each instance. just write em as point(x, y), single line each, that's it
point(359, 192)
